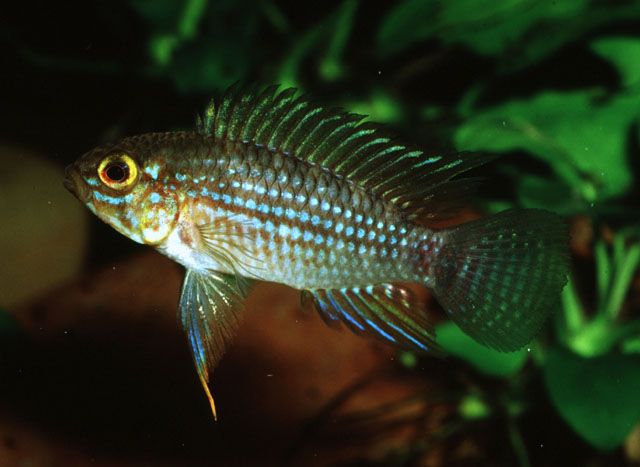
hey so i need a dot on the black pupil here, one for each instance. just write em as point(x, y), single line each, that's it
point(117, 172)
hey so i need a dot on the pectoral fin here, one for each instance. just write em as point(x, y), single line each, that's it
point(210, 309)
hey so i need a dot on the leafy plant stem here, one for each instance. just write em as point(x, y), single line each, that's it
point(288, 75)
point(573, 317)
point(628, 330)
point(468, 101)
point(595, 338)
point(603, 271)
point(517, 443)
point(538, 355)
point(275, 16)
point(331, 67)
point(626, 264)
point(191, 17)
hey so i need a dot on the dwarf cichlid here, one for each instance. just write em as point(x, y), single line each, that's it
point(274, 188)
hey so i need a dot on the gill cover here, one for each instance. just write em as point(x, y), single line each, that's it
point(158, 214)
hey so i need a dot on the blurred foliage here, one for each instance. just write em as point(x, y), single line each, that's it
point(473, 407)
point(484, 359)
point(211, 61)
point(581, 137)
point(599, 333)
point(624, 52)
point(519, 32)
point(488, 27)
point(597, 396)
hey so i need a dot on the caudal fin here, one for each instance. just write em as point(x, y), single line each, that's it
point(500, 277)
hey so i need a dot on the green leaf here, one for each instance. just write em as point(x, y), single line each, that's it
point(487, 26)
point(547, 193)
point(520, 31)
point(477, 23)
point(597, 397)
point(624, 53)
point(484, 359)
point(406, 24)
point(582, 138)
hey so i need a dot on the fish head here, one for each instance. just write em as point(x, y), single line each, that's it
point(119, 183)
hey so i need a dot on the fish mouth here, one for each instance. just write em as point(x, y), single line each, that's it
point(74, 182)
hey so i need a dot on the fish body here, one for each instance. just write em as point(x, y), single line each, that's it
point(274, 188)
point(283, 220)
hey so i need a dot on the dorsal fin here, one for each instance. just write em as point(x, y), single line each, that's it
point(339, 141)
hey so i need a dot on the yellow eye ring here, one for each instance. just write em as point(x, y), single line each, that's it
point(118, 171)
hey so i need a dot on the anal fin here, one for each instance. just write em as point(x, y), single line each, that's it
point(386, 311)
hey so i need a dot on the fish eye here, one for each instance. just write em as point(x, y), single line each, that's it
point(118, 171)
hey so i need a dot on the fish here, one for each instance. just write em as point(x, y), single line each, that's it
point(271, 186)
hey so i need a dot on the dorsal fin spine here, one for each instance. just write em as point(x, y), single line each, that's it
point(234, 115)
point(325, 147)
point(287, 122)
point(349, 146)
point(306, 120)
point(222, 114)
point(384, 159)
point(237, 125)
point(255, 118)
point(281, 106)
point(311, 140)
point(334, 157)
point(393, 174)
point(322, 144)
point(208, 121)
point(366, 166)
